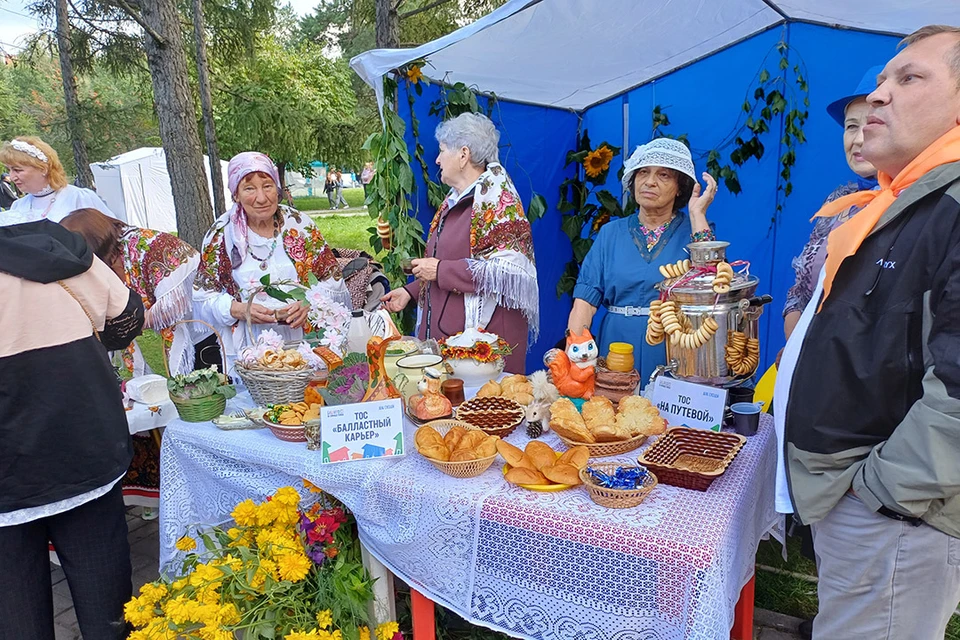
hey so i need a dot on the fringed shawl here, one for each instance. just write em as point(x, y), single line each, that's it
point(502, 260)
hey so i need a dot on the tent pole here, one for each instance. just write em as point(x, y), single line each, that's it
point(143, 194)
point(626, 140)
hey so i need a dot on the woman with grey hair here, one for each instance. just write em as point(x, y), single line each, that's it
point(479, 270)
point(622, 266)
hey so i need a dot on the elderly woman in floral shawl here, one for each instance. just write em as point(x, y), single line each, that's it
point(256, 237)
point(480, 270)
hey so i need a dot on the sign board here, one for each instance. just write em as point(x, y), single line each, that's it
point(687, 404)
point(362, 430)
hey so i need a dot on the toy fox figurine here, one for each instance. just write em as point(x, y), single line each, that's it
point(573, 370)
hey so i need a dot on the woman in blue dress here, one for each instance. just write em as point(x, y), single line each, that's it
point(622, 267)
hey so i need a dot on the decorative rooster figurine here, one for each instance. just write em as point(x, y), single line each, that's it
point(573, 370)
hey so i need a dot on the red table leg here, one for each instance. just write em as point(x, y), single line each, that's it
point(743, 613)
point(424, 627)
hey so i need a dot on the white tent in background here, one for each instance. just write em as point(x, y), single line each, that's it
point(136, 186)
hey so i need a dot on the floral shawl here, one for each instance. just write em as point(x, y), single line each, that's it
point(161, 268)
point(502, 260)
point(302, 242)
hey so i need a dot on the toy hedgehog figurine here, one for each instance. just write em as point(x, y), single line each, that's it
point(538, 412)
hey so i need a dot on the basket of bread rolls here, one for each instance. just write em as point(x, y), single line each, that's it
point(456, 448)
point(603, 430)
point(539, 467)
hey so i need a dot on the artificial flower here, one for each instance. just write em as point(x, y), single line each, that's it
point(186, 543)
point(293, 566)
point(597, 161)
point(414, 74)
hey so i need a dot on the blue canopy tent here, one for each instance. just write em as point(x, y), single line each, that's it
point(560, 67)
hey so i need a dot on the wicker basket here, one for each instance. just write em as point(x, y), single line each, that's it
point(467, 469)
point(272, 386)
point(603, 449)
point(691, 458)
point(614, 385)
point(197, 409)
point(616, 498)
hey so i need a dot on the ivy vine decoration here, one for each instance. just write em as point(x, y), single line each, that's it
point(774, 96)
point(390, 195)
point(584, 206)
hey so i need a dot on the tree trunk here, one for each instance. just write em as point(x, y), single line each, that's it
point(388, 25)
point(206, 105)
point(74, 127)
point(176, 115)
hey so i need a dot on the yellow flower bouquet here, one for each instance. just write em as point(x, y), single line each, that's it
point(281, 572)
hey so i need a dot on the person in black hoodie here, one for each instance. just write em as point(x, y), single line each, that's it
point(64, 444)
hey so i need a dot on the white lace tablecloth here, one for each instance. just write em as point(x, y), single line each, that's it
point(545, 566)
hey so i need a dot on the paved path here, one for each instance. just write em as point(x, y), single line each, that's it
point(145, 551)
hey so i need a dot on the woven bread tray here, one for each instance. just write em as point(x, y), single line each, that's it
point(691, 458)
point(602, 449)
point(614, 385)
point(616, 498)
point(466, 469)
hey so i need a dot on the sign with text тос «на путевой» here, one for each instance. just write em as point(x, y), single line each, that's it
point(687, 404)
point(361, 431)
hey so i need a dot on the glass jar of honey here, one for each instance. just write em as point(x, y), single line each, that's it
point(620, 357)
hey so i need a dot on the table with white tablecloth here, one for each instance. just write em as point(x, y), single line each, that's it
point(534, 565)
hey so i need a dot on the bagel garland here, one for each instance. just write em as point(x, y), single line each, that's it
point(676, 269)
point(721, 281)
point(742, 354)
point(667, 320)
point(655, 332)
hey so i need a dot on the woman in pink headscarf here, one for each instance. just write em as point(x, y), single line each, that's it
point(258, 236)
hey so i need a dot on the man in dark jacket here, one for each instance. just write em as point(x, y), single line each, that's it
point(64, 444)
point(872, 428)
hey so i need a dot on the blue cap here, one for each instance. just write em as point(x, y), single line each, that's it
point(867, 84)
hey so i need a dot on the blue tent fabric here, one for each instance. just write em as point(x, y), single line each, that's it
point(703, 100)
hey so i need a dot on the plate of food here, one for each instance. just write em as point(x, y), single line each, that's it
point(456, 448)
point(538, 467)
point(495, 415)
point(287, 421)
point(606, 431)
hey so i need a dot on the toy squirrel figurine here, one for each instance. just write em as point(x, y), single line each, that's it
point(573, 370)
point(430, 404)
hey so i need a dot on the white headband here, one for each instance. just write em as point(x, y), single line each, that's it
point(29, 149)
point(659, 152)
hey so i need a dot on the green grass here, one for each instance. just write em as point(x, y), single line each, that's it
point(354, 198)
point(346, 232)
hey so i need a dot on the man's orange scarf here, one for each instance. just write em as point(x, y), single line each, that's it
point(847, 238)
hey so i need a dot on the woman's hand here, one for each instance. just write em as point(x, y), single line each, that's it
point(699, 203)
point(425, 269)
point(259, 314)
point(397, 300)
point(296, 314)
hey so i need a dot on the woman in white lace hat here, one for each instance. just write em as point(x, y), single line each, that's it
point(36, 170)
point(623, 264)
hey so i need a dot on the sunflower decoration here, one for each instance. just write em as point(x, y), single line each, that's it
point(414, 74)
point(598, 161)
